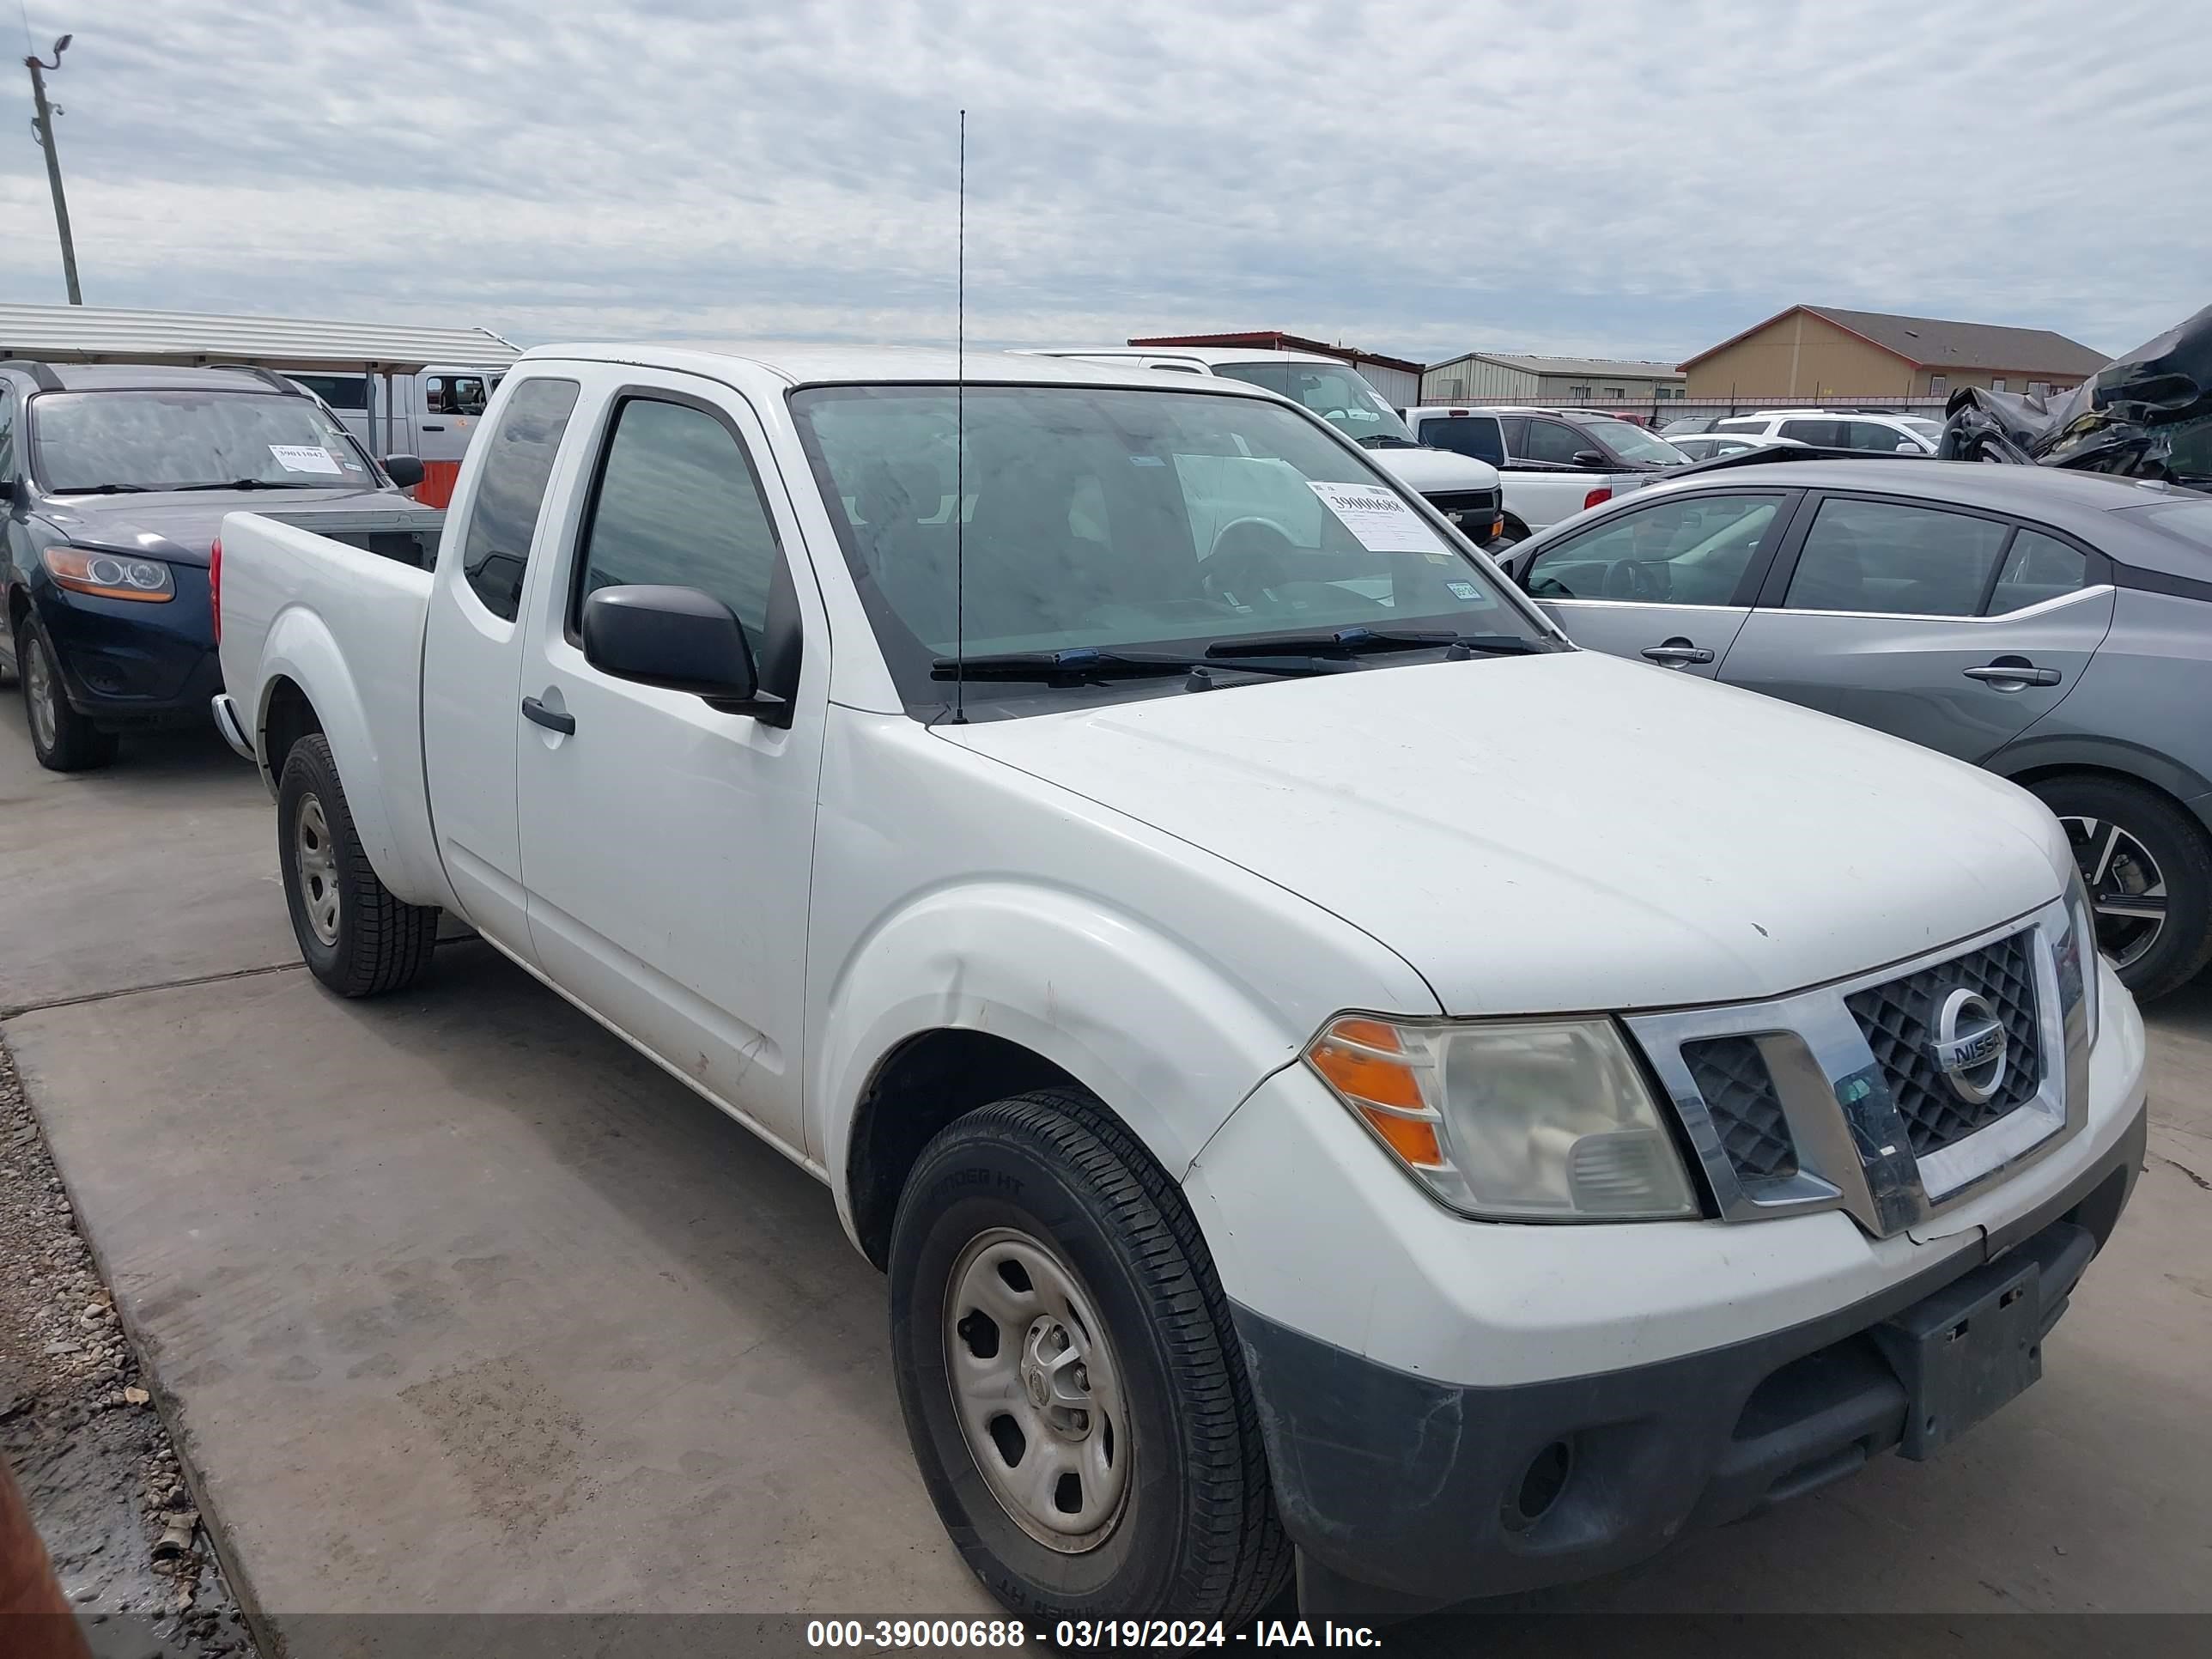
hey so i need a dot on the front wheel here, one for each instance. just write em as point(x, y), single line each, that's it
point(2148, 868)
point(357, 936)
point(63, 739)
point(1069, 1377)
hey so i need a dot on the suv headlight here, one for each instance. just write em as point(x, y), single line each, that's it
point(2077, 955)
point(1535, 1119)
point(109, 575)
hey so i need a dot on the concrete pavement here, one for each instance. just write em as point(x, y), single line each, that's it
point(461, 1305)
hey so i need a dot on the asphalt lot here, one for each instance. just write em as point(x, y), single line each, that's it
point(460, 1305)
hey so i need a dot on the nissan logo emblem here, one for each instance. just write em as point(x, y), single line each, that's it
point(1970, 1047)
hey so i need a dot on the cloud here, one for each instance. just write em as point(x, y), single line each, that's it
point(1631, 180)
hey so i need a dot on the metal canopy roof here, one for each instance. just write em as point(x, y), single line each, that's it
point(90, 334)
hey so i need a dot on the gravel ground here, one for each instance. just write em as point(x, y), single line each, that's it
point(78, 1426)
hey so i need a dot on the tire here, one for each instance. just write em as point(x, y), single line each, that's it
point(2132, 843)
point(63, 739)
point(1051, 1180)
point(357, 936)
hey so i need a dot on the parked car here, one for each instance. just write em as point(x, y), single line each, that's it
point(1555, 462)
point(1876, 435)
point(1465, 492)
point(1703, 445)
point(2056, 629)
point(1687, 425)
point(114, 479)
point(1333, 1072)
point(432, 415)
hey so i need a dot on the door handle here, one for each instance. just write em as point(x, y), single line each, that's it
point(1677, 652)
point(551, 718)
point(2013, 675)
point(427, 428)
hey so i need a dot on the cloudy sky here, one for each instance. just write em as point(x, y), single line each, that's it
point(1638, 179)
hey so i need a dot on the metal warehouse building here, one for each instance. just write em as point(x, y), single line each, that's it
point(1503, 377)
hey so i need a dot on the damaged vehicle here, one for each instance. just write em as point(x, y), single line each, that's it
point(2146, 414)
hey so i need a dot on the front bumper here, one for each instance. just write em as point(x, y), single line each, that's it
point(127, 663)
point(1424, 1384)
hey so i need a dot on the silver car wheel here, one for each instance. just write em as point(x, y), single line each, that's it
point(1037, 1391)
point(2127, 889)
point(318, 869)
point(39, 693)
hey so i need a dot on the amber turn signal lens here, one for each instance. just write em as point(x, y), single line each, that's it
point(1414, 1138)
point(1363, 1059)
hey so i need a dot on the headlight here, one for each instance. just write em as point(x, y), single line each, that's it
point(2077, 955)
point(1538, 1119)
point(109, 575)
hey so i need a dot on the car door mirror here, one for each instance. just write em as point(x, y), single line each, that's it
point(404, 471)
point(1908, 447)
point(1592, 458)
point(679, 639)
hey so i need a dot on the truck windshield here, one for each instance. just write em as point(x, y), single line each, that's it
point(1104, 520)
point(89, 441)
point(1337, 392)
point(1633, 443)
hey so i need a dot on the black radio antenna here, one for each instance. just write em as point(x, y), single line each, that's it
point(960, 447)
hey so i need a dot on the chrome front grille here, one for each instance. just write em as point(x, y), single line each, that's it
point(1889, 1094)
point(1739, 1093)
point(1899, 1018)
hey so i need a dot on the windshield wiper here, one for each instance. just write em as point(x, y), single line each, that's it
point(1086, 663)
point(1363, 642)
point(1385, 440)
point(245, 483)
point(100, 489)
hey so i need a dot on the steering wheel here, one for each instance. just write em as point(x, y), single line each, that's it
point(1629, 579)
point(1248, 555)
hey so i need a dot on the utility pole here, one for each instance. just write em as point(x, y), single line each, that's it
point(43, 124)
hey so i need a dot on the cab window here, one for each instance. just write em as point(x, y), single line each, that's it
point(1895, 558)
point(677, 504)
point(1474, 436)
point(511, 492)
point(1556, 442)
point(1692, 549)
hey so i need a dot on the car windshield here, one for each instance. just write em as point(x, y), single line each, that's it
point(146, 439)
point(1633, 443)
point(1337, 392)
point(1107, 519)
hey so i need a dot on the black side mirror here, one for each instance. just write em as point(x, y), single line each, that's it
point(406, 472)
point(679, 639)
point(1592, 458)
point(6, 490)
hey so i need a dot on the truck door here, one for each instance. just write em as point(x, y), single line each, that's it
point(667, 847)
point(472, 656)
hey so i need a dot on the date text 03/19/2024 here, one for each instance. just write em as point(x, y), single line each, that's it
point(983, 1634)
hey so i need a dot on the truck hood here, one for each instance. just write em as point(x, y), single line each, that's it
point(180, 527)
point(1568, 832)
point(1425, 472)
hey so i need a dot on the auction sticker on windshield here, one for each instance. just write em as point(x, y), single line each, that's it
point(1379, 518)
point(305, 457)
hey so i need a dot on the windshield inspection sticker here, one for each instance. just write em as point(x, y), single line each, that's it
point(1378, 517)
point(305, 457)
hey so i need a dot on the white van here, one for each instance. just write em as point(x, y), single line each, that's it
point(1465, 490)
point(432, 415)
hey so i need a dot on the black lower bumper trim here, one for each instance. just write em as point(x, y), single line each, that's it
point(1404, 1494)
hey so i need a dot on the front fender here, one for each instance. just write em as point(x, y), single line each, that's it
point(1169, 1042)
point(379, 755)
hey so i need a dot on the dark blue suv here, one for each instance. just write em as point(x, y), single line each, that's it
point(114, 480)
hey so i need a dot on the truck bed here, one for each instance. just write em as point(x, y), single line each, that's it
point(407, 534)
point(335, 604)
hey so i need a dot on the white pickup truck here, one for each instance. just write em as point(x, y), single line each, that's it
point(1334, 1074)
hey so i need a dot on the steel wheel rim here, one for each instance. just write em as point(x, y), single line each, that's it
point(2127, 889)
point(39, 695)
point(1025, 1350)
point(318, 869)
